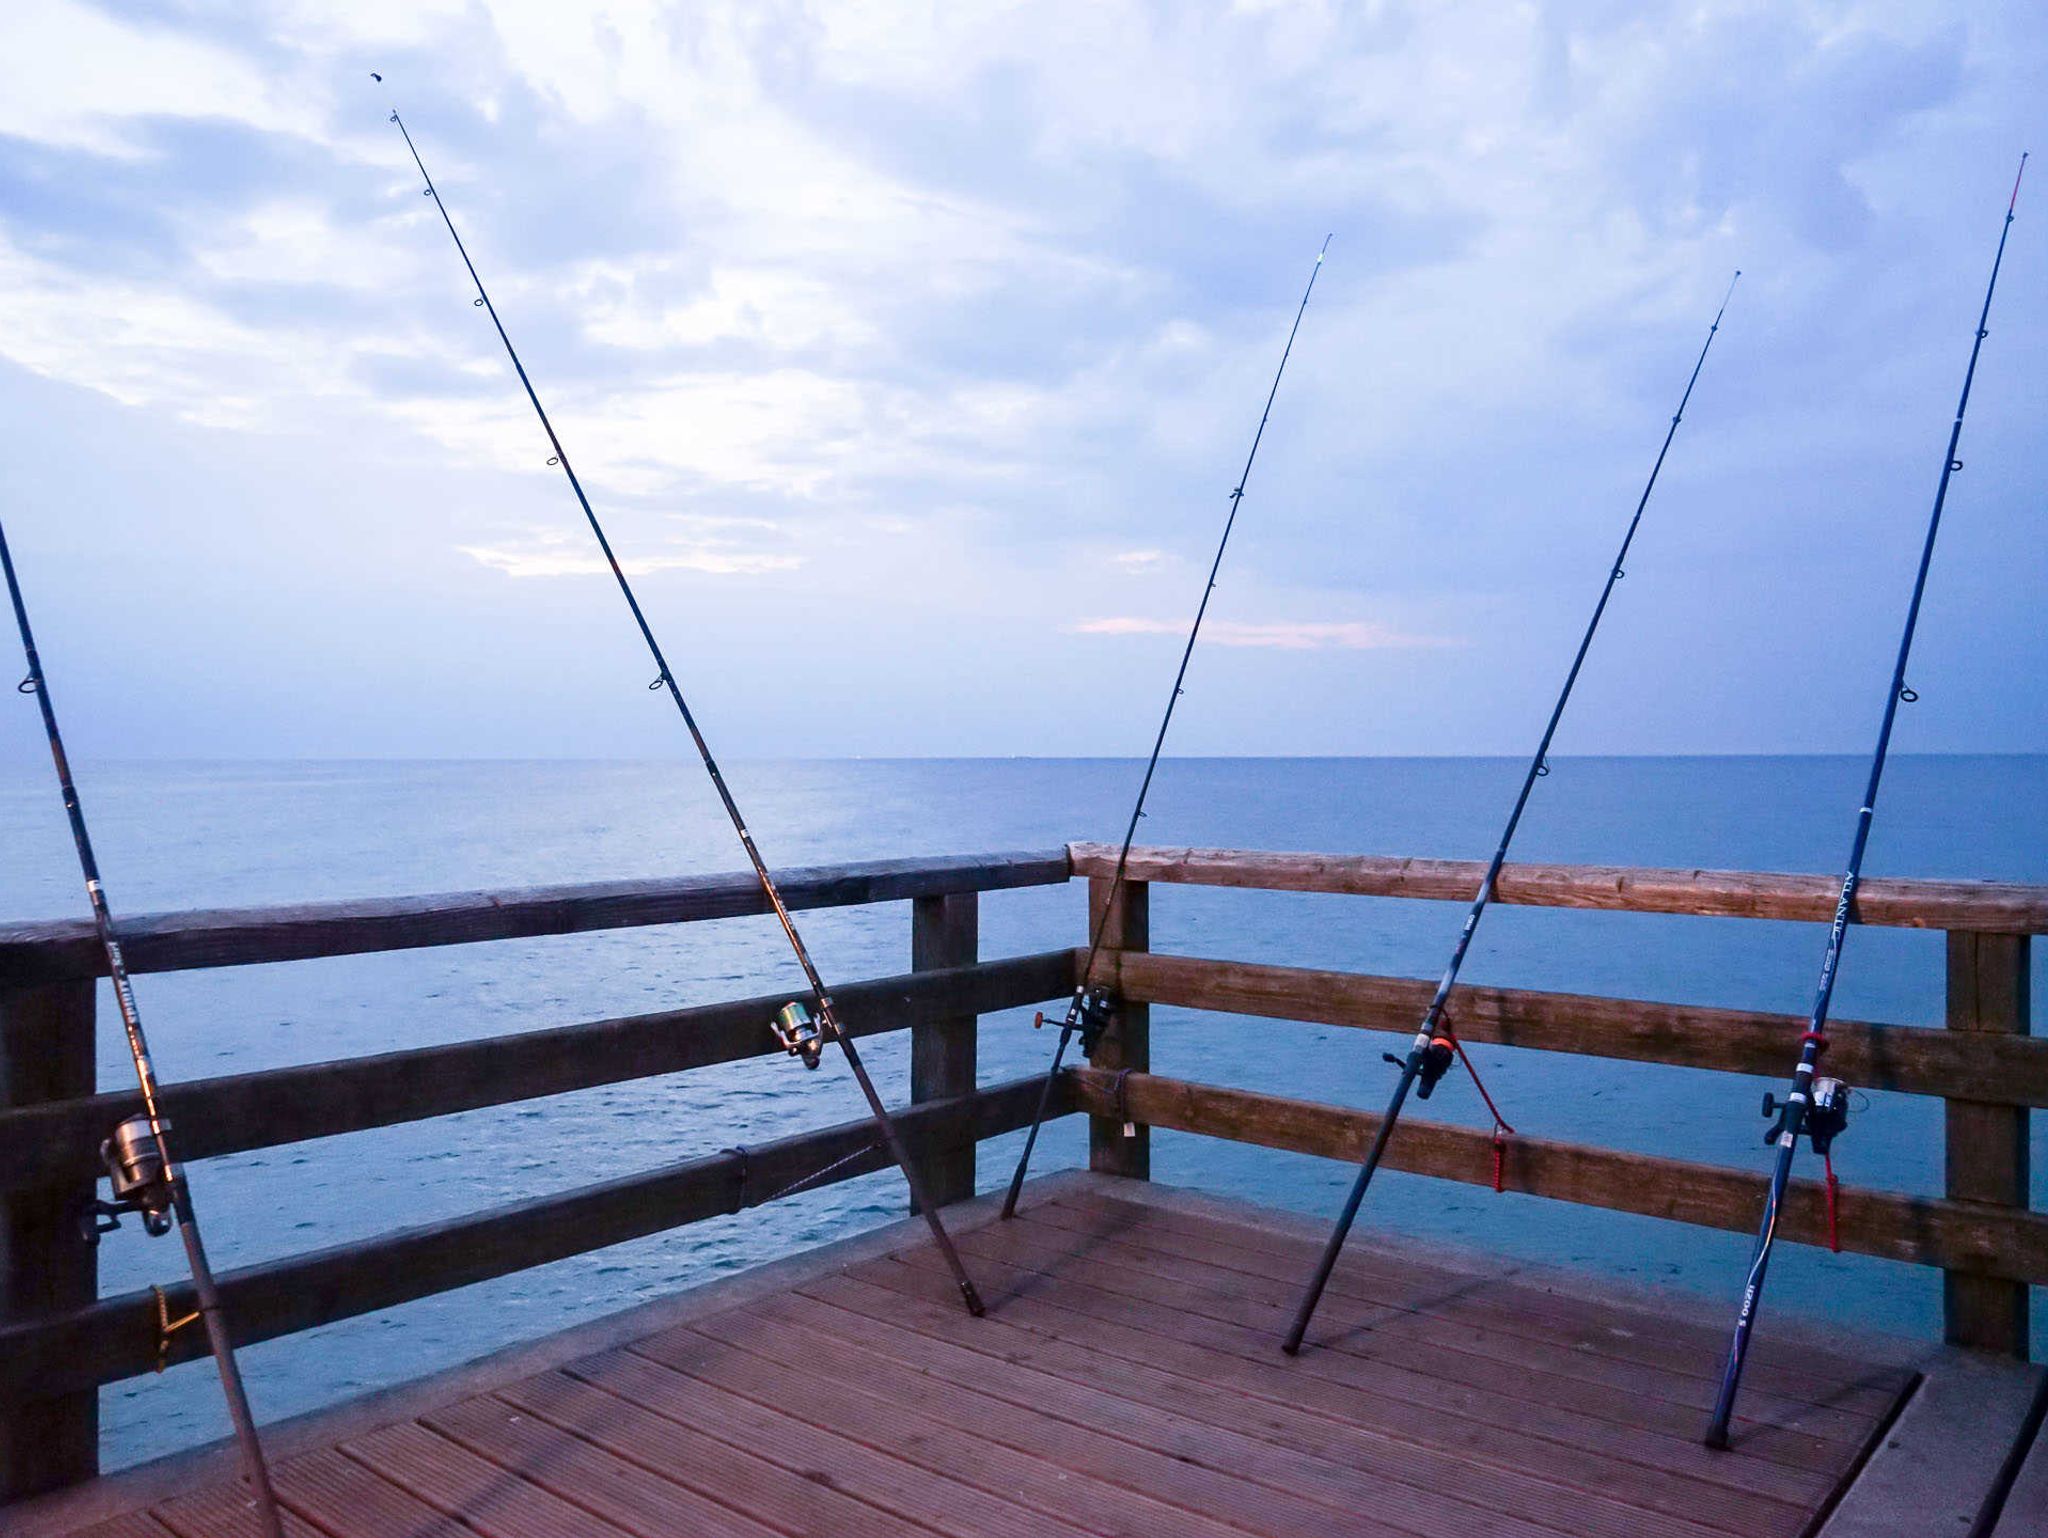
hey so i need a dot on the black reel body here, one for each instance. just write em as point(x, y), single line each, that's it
point(1433, 1062)
point(1826, 1118)
point(135, 1169)
point(1092, 1015)
point(1095, 1015)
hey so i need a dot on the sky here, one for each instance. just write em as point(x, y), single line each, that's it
point(911, 353)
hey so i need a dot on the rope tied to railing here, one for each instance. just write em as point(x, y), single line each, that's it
point(1501, 1130)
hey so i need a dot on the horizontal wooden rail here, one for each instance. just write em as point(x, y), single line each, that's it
point(1971, 1237)
point(1994, 1070)
point(49, 951)
point(1990, 907)
point(116, 1338)
point(47, 1142)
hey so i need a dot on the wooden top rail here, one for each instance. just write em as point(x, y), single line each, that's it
point(53, 951)
point(1975, 1066)
point(238, 1112)
point(1992, 907)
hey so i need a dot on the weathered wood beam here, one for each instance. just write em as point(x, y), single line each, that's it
point(945, 932)
point(1995, 1069)
point(1993, 907)
point(46, 1050)
point(117, 1337)
point(1990, 1001)
point(225, 937)
point(1958, 1236)
point(1126, 929)
point(288, 1105)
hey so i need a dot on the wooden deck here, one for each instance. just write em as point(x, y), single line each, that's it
point(1127, 1384)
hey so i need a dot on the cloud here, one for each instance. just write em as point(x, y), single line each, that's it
point(1137, 561)
point(713, 546)
point(1283, 635)
point(80, 79)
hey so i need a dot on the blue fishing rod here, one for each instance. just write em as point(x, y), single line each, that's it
point(800, 1033)
point(144, 1178)
point(1817, 1107)
point(1092, 1008)
point(1435, 1046)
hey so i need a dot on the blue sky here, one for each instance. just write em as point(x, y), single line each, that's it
point(911, 351)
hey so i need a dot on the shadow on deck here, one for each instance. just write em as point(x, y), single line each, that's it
point(1127, 1382)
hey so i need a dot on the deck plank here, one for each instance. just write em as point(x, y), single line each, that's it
point(1931, 1475)
point(863, 1466)
point(1410, 1486)
point(1374, 1396)
point(136, 1524)
point(1823, 1436)
point(798, 1492)
point(1497, 1302)
point(457, 1482)
point(324, 1488)
point(919, 1422)
point(1345, 1324)
point(2025, 1513)
point(1145, 1400)
point(1127, 1384)
point(635, 1498)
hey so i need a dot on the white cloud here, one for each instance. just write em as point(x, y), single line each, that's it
point(1137, 561)
point(1283, 635)
point(715, 546)
point(77, 77)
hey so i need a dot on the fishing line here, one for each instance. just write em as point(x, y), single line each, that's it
point(1436, 1046)
point(801, 1034)
point(1817, 1107)
point(1091, 1008)
point(144, 1178)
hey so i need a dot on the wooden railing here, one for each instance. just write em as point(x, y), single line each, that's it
point(59, 1341)
point(1981, 1062)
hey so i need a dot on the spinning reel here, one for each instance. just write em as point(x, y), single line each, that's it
point(135, 1169)
point(1437, 1058)
point(800, 1034)
point(1825, 1120)
point(1094, 1014)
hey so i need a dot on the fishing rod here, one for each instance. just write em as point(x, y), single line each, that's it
point(1818, 1107)
point(801, 1034)
point(144, 1178)
point(1436, 1043)
point(1092, 1006)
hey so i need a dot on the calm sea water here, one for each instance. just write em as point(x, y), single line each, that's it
point(190, 835)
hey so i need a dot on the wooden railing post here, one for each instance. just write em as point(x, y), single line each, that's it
point(46, 1053)
point(1129, 1043)
point(945, 932)
point(1988, 981)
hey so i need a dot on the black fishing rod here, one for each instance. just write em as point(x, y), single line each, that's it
point(1091, 1008)
point(1436, 1043)
point(801, 1034)
point(137, 1155)
point(1818, 1108)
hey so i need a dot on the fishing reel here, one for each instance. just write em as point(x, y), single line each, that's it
point(800, 1034)
point(1827, 1116)
point(135, 1169)
point(1436, 1060)
point(1094, 1013)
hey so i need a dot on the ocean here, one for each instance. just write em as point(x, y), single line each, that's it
point(180, 835)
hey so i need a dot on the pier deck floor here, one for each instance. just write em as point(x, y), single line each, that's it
point(1127, 1384)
